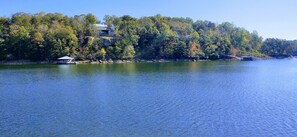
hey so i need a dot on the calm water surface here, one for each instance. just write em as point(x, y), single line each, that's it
point(150, 99)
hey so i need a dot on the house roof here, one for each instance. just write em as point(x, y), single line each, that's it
point(101, 26)
point(65, 58)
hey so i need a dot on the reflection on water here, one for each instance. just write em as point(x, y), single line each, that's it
point(134, 68)
point(218, 98)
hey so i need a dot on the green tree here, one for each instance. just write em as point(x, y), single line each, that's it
point(3, 46)
point(180, 50)
point(61, 41)
point(166, 41)
point(3, 50)
point(90, 18)
point(210, 52)
point(148, 41)
point(19, 38)
point(37, 48)
point(101, 53)
point(128, 52)
point(278, 47)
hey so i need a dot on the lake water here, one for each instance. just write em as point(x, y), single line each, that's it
point(219, 98)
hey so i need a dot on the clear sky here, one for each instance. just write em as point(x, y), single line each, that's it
point(271, 18)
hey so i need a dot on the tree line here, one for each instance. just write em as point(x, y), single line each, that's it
point(46, 37)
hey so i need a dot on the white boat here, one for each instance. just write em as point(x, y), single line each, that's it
point(66, 60)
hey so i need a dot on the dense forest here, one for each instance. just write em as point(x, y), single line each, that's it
point(45, 37)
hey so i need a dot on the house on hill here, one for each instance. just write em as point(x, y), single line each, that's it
point(107, 34)
point(105, 30)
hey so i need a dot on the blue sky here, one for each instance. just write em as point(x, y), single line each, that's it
point(271, 18)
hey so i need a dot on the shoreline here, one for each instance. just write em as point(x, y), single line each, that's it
point(28, 62)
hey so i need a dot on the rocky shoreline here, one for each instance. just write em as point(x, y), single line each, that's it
point(110, 61)
point(24, 62)
point(28, 62)
point(142, 61)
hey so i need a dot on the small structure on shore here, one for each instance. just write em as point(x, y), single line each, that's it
point(66, 60)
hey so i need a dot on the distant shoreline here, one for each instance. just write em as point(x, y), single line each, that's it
point(27, 62)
